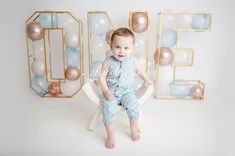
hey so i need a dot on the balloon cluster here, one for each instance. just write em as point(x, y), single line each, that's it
point(35, 31)
point(181, 88)
point(101, 30)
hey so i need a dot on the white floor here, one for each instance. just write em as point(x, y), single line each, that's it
point(58, 127)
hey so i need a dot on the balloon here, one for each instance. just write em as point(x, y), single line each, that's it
point(196, 92)
point(69, 88)
point(34, 31)
point(41, 83)
point(168, 38)
point(139, 45)
point(54, 88)
point(183, 57)
point(71, 40)
point(141, 58)
point(68, 23)
point(200, 21)
point(108, 37)
point(38, 49)
point(98, 45)
point(38, 67)
point(48, 20)
point(72, 73)
point(100, 24)
point(73, 57)
point(95, 69)
point(185, 21)
point(180, 88)
point(139, 22)
point(169, 21)
point(166, 56)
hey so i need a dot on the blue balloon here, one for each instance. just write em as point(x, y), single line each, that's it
point(40, 84)
point(100, 24)
point(48, 20)
point(180, 88)
point(200, 21)
point(73, 57)
point(95, 69)
point(168, 38)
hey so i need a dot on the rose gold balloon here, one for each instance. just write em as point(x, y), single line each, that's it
point(54, 88)
point(139, 22)
point(72, 73)
point(196, 92)
point(166, 56)
point(108, 36)
point(34, 31)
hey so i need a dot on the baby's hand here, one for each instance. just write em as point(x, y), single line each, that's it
point(148, 82)
point(108, 94)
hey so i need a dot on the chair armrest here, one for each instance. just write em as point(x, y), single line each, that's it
point(144, 93)
point(92, 91)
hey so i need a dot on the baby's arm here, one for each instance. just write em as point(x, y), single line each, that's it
point(103, 74)
point(142, 74)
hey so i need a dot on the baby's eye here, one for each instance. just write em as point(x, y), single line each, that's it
point(126, 48)
point(117, 47)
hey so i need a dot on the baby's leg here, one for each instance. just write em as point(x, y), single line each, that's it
point(109, 114)
point(130, 102)
point(110, 141)
point(134, 130)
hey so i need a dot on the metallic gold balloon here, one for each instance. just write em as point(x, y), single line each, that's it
point(72, 73)
point(166, 56)
point(54, 88)
point(34, 31)
point(196, 92)
point(139, 22)
point(108, 37)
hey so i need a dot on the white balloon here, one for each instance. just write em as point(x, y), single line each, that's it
point(141, 60)
point(185, 21)
point(38, 67)
point(139, 46)
point(71, 39)
point(69, 88)
point(38, 49)
point(68, 23)
point(169, 21)
point(99, 45)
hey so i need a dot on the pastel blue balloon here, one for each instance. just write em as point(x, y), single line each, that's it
point(73, 57)
point(100, 24)
point(40, 84)
point(45, 20)
point(200, 21)
point(95, 69)
point(168, 38)
point(180, 88)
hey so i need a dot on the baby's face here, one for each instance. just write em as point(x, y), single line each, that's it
point(122, 47)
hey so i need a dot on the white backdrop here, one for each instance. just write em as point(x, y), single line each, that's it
point(214, 61)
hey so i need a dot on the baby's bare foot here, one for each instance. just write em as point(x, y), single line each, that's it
point(110, 143)
point(134, 130)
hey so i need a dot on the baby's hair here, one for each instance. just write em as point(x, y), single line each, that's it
point(125, 32)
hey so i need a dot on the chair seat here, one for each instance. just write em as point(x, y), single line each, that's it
point(93, 92)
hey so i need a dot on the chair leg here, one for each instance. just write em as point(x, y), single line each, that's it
point(95, 118)
point(140, 122)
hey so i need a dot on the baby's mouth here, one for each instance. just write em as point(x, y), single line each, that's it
point(120, 55)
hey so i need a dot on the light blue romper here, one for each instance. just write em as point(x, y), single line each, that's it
point(120, 80)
